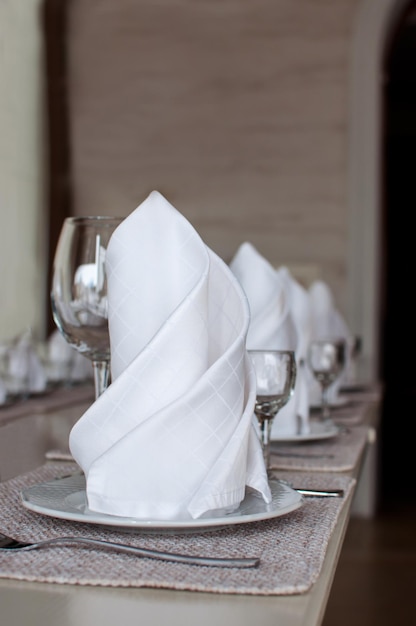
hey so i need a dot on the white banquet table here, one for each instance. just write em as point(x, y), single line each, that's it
point(28, 437)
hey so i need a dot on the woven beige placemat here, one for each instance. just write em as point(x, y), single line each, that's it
point(370, 392)
point(291, 547)
point(339, 454)
point(353, 413)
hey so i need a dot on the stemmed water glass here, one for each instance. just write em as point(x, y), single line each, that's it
point(326, 360)
point(276, 376)
point(79, 290)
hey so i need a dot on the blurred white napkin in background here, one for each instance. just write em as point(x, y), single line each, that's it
point(3, 392)
point(3, 371)
point(327, 322)
point(81, 369)
point(279, 309)
point(24, 371)
point(57, 356)
point(37, 379)
point(63, 363)
point(173, 436)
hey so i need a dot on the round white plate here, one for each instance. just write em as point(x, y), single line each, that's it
point(318, 431)
point(66, 499)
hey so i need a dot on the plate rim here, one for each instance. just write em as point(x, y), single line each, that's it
point(307, 436)
point(114, 522)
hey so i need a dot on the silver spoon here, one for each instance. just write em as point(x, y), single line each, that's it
point(14, 545)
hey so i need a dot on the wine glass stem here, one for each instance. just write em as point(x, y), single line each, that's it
point(265, 431)
point(101, 376)
point(325, 404)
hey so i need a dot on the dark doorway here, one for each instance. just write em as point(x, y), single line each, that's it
point(398, 340)
point(54, 17)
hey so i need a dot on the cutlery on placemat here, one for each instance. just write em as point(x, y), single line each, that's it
point(318, 493)
point(13, 545)
point(314, 493)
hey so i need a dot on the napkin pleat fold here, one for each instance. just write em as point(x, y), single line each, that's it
point(279, 309)
point(173, 436)
point(328, 322)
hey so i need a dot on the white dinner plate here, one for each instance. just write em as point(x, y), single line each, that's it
point(65, 498)
point(318, 431)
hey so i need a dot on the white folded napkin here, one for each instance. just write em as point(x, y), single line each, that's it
point(3, 390)
point(173, 436)
point(279, 309)
point(327, 322)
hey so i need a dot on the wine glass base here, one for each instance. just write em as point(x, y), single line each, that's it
point(326, 421)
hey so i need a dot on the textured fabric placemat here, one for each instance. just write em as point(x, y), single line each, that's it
point(357, 400)
point(339, 454)
point(363, 392)
point(291, 547)
point(352, 413)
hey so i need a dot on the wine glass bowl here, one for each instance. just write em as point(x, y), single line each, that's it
point(326, 359)
point(79, 290)
point(275, 378)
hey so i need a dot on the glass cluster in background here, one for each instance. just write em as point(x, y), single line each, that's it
point(30, 367)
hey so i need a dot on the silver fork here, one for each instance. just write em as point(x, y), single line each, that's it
point(14, 545)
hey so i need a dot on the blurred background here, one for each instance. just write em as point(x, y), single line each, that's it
point(287, 124)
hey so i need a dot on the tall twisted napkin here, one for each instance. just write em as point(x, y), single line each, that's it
point(327, 322)
point(279, 321)
point(173, 436)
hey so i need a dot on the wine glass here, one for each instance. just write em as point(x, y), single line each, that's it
point(326, 359)
point(79, 290)
point(276, 376)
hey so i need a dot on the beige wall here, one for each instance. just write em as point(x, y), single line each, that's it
point(237, 111)
point(258, 120)
point(22, 206)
